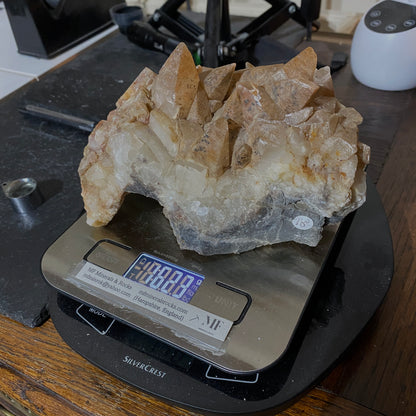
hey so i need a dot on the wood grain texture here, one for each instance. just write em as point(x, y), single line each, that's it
point(5, 412)
point(41, 375)
point(322, 403)
point(381, 371)
point(39, 371)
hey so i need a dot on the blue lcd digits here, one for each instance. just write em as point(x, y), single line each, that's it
point(165, 277)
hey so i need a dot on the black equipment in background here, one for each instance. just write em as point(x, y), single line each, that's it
point(216, 45)
point(45, 28)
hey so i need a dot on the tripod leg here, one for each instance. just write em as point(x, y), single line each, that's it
point(212, 32)
point(172, 5)
point(310, 11)
point(169, 17)
point(225, 22)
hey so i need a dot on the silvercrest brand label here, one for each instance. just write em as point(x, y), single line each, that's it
point(146, 367)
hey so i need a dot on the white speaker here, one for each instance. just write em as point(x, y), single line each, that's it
point(383, 50)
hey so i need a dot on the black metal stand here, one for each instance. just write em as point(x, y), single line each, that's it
point(216, 45)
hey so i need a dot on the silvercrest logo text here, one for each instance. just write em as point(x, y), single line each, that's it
point(148, 368)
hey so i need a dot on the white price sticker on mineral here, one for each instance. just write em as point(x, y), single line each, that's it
point(302, 222)
point(149, 299)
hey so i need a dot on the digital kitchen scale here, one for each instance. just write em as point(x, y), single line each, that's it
point(230, 334)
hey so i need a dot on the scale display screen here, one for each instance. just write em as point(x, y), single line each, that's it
point(165, 277)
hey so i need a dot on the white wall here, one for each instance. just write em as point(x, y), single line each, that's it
point(341, 16)
point(354, 6)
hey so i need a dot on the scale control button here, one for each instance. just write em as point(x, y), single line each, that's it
point(214, 373)
point(95, 318)
point(111, 256)
point(223, 300)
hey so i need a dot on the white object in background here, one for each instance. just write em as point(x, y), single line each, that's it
point(11, 81)
point(383, 50)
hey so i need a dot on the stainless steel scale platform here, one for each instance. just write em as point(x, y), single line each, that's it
point(219, 334)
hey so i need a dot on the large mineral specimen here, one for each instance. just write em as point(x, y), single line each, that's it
point(238, 159)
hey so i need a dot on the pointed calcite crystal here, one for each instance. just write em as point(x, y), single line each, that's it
point(237, 159)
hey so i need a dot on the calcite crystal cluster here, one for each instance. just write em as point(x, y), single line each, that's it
point(237, 158)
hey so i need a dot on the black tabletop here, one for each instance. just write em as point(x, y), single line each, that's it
point(87, 86)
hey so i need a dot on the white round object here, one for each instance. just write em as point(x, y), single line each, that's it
point(383, 50)
point(301, 222)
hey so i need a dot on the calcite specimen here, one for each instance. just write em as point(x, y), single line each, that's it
point(237, 159)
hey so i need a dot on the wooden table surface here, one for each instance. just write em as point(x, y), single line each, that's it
point(41, 375)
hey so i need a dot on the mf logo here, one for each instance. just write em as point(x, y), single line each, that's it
point(213, 323)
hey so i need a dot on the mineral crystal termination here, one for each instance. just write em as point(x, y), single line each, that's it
point(238, 159)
